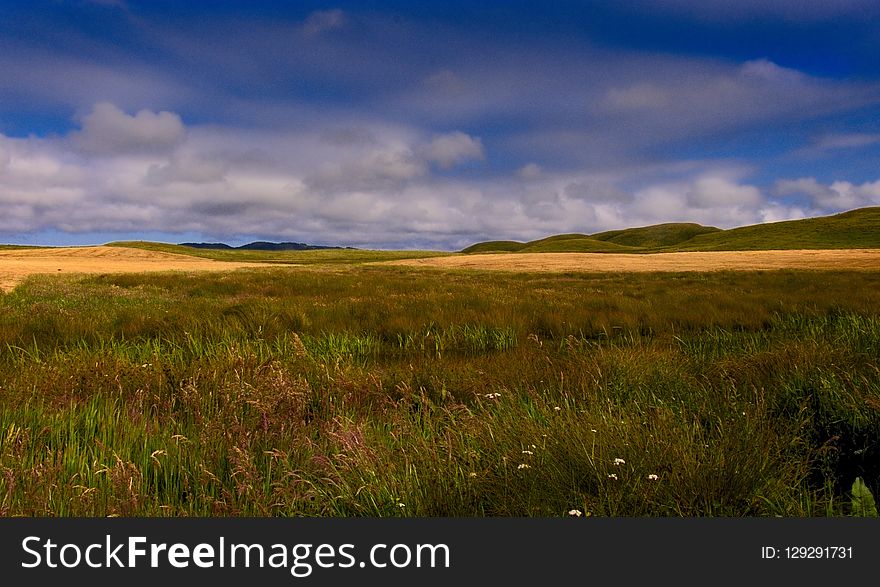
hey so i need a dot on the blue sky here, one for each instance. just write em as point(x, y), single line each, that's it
point(401, 124)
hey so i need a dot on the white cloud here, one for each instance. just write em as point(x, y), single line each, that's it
point(835, 141)
point(5, 155)
point(765, 70)
point(35, 77)
point(372, 185)
point(529, 171)
point(451, 149)
point(854, 196)
point(110, 131)
point(712, 198)
point(714, 192)
point(445, 83)
point(188, 167)
point(807, 186)
point(636, 97)
point(837, 196)
point(597, 189)
point(321, 21)
point(380, 168)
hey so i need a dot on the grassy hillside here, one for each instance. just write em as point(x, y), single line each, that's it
point(580, 244)
point(495, 247)
point(658, 235)
point(856, 229)
point(560, 243)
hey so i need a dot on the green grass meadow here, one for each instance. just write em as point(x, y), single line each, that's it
point(354, 390)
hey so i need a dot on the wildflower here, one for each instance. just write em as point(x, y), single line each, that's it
point(575, 513)
point(527, 452)
point(613, 476)
point(592, 430)
point(400, 504)
point(619, 462)
point(472, 474)
point(557, 408)
point(653, 477)
point(523, 466)
point(493, 395)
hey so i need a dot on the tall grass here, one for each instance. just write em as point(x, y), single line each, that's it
point(386, 392)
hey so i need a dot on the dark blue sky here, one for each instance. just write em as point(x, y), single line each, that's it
point(401, 124)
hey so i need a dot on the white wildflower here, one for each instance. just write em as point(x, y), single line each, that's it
point(613, 476)
point(619, 462)
point(575, 513)
point(523, 466)
point(653, 477)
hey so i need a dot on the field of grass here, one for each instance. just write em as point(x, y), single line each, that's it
point(384, 391)
point(856, 229)
point(316, 257)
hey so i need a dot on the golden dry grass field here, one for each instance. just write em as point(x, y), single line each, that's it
point(841, 259)
point(17, 264)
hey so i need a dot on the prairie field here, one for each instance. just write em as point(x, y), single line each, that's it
point(18, 264)
point(848, 259)
point(331, 386)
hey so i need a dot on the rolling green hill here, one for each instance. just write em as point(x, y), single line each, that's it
point(560, 243)
point(495, 247)
point(579, 244)
point(658, 235)
point(856, 229)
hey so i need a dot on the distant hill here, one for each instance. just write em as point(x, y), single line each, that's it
point(495, 247)
point(563, 243)
point(658, 235)
point(573, 243)
point(260, 246)
point(856, 229)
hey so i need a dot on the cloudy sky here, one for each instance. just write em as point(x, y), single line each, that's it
point(398, 124)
